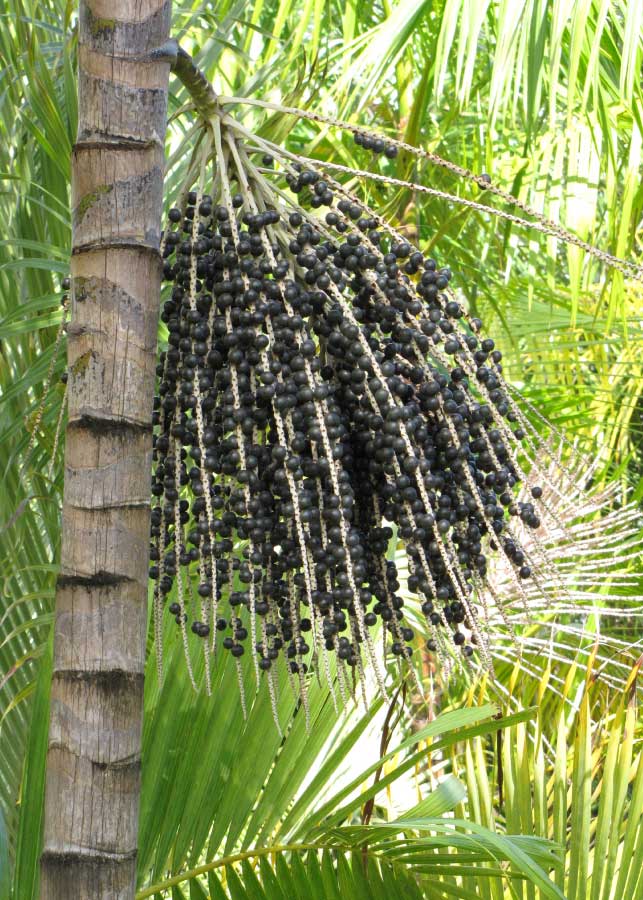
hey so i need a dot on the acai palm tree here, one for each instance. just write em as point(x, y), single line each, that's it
point(352, 294)
point(96, 703)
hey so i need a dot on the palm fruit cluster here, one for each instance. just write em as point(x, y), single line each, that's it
point(377, 145)
point(323, 397)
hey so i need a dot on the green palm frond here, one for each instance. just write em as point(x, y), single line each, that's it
point(584, 790)
point(424, 847)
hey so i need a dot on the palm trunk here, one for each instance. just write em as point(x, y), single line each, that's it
point(93, 758)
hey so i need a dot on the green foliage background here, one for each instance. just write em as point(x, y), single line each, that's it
point(546, 96)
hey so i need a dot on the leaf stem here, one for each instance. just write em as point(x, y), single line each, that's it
point(218, 863)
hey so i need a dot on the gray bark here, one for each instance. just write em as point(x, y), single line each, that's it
point(93, 758)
